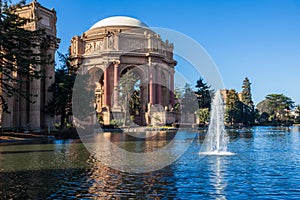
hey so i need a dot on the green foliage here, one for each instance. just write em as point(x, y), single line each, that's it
point(23, 54)
point(84, 96)
point(279, 102)
point(264, 118)
point(178, 93)
point(100, 119)
point(297, 112)
point(277, 106)
point(233, 108)
point(61, 103)
point(203, 115)
point(246, 93)
point(189, 102)
point(135, 103)
point(116, 123)
point(203, 94)
point(128, 96)
point(263, 107)
point(248, 110)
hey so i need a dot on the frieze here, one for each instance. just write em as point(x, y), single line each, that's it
point(92, 47)
point(132, 44)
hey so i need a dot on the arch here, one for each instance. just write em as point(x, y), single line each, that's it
point(140, 69)
point(96, 81)
point(138, 102)
point(164, 88)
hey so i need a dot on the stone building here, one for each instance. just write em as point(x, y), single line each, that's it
point(224, 93)
point(22, 113)
point(117, 44)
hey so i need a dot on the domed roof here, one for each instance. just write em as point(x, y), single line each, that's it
point(119, 21)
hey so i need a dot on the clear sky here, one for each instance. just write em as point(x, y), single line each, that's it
point(258, 39)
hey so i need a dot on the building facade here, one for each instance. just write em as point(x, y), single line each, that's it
point(32, 115)
point(111, 48)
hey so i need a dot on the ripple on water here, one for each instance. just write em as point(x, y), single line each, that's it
point(263, 167)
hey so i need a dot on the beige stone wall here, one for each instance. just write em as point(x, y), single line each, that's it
point(23, 114)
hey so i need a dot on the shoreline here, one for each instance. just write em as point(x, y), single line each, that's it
point(13, 138)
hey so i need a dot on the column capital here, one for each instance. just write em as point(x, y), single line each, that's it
point(172, 70)
point(116, 63)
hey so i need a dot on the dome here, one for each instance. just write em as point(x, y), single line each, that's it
point(119, 21)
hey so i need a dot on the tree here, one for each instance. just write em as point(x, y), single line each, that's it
point(61, 103)
point(126, 89)
point(263, 107)
point(233, 107)
point(203, 94)
point(248, 112)
point(83, 96)
point(189, 100)
point(297, 112)
point(203, 115)
point(22, 53)
point(263, 118)
point(178, 93)
point(135, 103)
point(280, 105)
point(277, 106)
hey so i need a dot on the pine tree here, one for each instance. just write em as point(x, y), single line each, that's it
point(22, 53)
point(203, 94)
point(248, 114)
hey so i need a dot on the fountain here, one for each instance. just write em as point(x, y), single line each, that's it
point(216, 139)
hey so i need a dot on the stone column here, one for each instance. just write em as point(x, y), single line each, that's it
point(158, 86)
point(106, 89)
point(172, 86)
point(35, 108)
point(151, 86)
point(116, 85)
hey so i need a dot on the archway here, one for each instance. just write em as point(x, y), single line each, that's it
point(131, 95)
point(164, 90)
point(96, 83)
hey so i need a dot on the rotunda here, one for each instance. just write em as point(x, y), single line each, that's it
point(116, 45)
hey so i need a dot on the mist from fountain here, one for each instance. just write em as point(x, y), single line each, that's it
point(216, 139)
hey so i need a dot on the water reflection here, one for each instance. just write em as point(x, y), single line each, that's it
point(124, 152)
point(109, 183)
point(265, 167)
point(217, 179)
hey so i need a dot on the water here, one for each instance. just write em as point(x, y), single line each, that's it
point(266, 166)
point(216, 139)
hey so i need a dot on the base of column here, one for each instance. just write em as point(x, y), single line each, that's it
point(116, 109)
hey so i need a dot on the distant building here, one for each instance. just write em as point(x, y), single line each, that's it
point(224, 93)
point(24, 114)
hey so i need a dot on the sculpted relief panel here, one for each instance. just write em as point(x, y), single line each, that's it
point(92, 47)
point(113, 42)
point(132, 44)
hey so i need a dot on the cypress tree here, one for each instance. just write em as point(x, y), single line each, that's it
point(248, 114)
point(22, 53)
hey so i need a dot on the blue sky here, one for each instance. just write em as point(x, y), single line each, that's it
point(258, 39)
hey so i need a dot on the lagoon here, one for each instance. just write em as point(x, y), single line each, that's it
point(266, 165)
